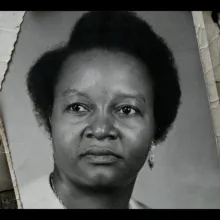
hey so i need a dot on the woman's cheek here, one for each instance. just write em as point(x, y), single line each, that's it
point(139, 141)
point(136, 157)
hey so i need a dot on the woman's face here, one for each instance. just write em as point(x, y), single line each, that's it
point(102, 119)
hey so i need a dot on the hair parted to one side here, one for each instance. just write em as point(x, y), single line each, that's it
point(112, 31)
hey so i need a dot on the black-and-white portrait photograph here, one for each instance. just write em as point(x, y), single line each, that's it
point(110, 110)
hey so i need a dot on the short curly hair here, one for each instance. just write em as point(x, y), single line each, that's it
point(113, 31)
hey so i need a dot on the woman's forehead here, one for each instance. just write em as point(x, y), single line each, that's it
point(102, 59)
point(95, 69)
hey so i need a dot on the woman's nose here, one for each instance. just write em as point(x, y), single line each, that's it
point(102, 128)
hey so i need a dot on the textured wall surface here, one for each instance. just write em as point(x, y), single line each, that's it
point(208, 39)
point(213, 38)
point(187, 171)
point(10, 22)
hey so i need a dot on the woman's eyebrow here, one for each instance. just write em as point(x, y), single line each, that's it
point(138, 97)
point(70, 91)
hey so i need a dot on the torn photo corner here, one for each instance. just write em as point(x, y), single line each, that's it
point(10, 23)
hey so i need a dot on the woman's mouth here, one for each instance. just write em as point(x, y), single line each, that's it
point(100, 156)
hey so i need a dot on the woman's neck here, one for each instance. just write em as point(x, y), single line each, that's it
point(79, 197)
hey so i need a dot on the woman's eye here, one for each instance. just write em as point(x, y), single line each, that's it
point(127, 110)
point(77, 108)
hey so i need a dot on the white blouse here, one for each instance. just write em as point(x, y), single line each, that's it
point(39, 195)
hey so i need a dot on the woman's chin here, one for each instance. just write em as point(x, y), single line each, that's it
point(103, 176)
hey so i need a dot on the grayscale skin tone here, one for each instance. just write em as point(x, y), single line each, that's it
point(102, 128)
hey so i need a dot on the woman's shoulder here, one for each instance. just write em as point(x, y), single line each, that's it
point(134, 204)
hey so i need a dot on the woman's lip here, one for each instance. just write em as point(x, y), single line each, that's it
point(101, 159)
point(100, 151)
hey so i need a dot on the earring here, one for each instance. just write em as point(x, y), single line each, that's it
point(150, 159)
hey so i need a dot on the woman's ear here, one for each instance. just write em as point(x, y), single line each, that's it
point(150, 158)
